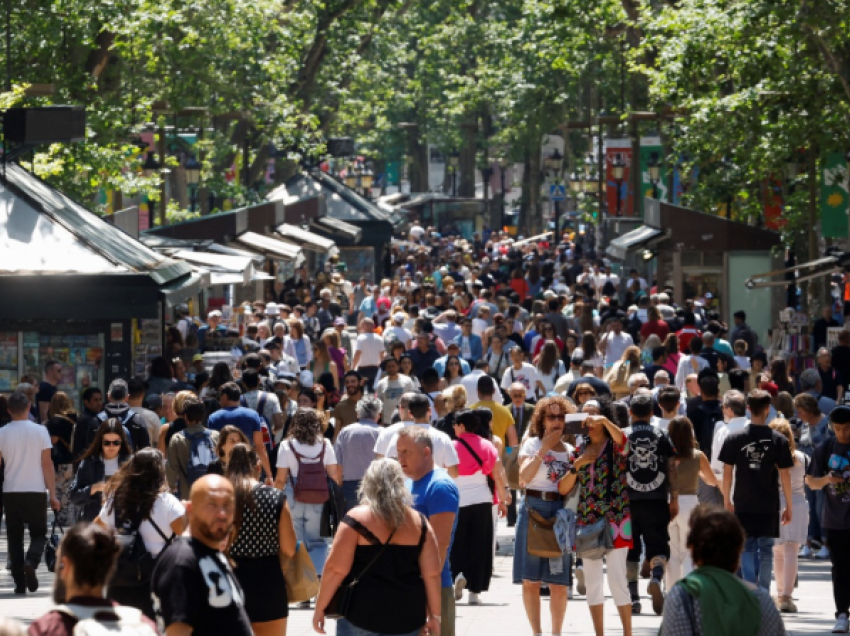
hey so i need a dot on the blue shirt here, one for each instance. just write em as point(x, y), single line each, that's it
point(369, 306)
point(246, 420)
point(434, 494)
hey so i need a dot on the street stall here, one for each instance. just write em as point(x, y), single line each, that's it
point(77, 289)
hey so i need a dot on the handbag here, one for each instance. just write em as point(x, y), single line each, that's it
point(340, 602)
point(542, 541)
point(594, 541)
point(302, 582)
point(52, 545)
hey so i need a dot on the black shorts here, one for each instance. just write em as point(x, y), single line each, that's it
point(263, 588)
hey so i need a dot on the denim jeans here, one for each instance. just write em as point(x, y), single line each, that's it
point(349, 492)
point(757, 561)
point(307, 519)
point(815, 500)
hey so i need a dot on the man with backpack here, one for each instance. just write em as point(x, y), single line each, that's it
point(118, 406)
point(86, 557)
point(191, 451)
point(265, 403)
point(246, 420)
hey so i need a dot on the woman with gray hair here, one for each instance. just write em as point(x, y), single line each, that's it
point(354, 447)
point(391, 550)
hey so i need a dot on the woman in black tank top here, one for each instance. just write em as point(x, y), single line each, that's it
point(394, 562)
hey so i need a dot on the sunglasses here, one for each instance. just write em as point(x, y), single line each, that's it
point(556, 417)
point(106, 442)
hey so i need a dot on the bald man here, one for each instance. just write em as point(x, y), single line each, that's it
point(194, 589)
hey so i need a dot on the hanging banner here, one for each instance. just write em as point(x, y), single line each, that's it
point(834, 196)
point(774, 205)
point(683, 181)
point(618, 148)
point(650, 151)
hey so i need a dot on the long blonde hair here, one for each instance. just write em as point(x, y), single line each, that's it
point(781, 425)
point(382, 491)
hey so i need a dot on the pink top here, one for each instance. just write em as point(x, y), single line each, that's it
point(472, 480)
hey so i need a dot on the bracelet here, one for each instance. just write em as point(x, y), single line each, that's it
point(538, 456)
point(439, 618)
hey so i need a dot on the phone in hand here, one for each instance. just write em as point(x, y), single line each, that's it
point(574, 424)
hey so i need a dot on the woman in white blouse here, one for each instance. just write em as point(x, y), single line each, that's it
point(297, 344)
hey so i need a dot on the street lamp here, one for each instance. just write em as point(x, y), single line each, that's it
point(192, 168)
point(351, 177)
point(366, 179)
point(553, 162)
point(454, 162)
point(151, 166)
point(618, 171)
point(654, 173)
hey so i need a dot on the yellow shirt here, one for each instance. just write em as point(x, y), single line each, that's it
point(502, 418)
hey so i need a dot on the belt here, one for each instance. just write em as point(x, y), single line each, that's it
point(545, 496)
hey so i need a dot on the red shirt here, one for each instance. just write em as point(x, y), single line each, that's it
point(685, 335)
point(657, 327)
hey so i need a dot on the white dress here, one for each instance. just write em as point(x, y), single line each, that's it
point(797, 530)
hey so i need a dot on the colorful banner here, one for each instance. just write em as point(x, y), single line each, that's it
point(651, 150)
point(682, 182)
point(774, 205)
point(623, 149)
point(834, 196)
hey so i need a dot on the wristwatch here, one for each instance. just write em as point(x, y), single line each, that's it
point(572, 470)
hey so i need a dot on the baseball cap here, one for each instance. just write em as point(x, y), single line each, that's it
point(398, 318)
point(215, 313)
point(339, 322)
point(272, 309)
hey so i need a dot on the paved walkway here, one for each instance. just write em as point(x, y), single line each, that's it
point(502, 612)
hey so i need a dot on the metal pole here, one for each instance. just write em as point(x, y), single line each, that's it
point(557, 221)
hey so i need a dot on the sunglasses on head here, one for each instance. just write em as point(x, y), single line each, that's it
point(116, 442)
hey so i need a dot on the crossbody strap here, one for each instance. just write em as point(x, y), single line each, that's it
point(369, 565)
point(472, 452)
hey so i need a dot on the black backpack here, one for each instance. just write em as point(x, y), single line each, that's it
point(134, 565)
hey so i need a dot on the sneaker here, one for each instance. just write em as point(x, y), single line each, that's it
point(580, 587)
point(842, 625)
point(788, 606)
point(805, 552)
point(460, 583)
point(636, 607)
point(474, 599)
point(657, 595)
point(823, 553)
point(304, 605)
point(30, 577)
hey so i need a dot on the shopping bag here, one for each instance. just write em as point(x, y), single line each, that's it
point(302, 582)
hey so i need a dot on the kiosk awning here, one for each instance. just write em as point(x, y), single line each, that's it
point(337, 228)
point(270, 246)
point(620, 246)
point(307, 240)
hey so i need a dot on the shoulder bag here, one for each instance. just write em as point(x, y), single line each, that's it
point(541, 540)
point(302, 582)
point(594, 541)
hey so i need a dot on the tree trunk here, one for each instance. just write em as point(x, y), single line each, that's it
point(466, 181)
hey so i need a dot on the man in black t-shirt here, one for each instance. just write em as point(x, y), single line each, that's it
point(705, 412)
point(756, 460)
point(193, 587)
point(653, 498)
point(47, 388)
point(829, 471)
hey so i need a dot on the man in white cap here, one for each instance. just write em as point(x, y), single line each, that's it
point(397, 333)
point(212, 328)
point(273, 314)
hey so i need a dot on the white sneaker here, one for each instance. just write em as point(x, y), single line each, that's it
point(474, 599)
point(842, 625)
point(570, 593)
point(460, 583)
point(805, 552)
point(823, 553)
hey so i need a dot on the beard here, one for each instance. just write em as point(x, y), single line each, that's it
point(210, 534)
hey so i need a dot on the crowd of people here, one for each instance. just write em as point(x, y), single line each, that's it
point(385, 430)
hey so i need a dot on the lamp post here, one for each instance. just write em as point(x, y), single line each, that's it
point(654, 173)
point(151, 166)
point(454, 162)
point(618, 170)
point(553, 164)
point(192, 168)
point(351, 176)
point(503, 165)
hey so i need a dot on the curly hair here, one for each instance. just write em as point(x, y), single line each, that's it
point(306, 426)
point(134, 489)
point(458, 396)
point(537, 425)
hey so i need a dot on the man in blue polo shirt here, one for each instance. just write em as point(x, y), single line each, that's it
point(246, 420)
point(436, 496)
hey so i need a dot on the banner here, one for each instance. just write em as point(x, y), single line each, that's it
point(834, 196)
point(774, 205)
point(623, 149)
point(650, 149)
point(682, 181)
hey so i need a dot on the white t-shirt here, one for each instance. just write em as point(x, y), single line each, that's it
point(166, 509)
point(479, 326)
point(110, 466)
point(387, 434)
point(401, 334)
point(549, 380)
point(616, 344)
point(310, 453)
point(551, 470)
point(527, 376)
point(470, 383)
point(390, 392)
point(743, 362)
point(445, 454)
point(370, 347)
point(21, 444)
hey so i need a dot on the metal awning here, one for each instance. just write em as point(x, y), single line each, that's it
point(219, 262)
point(805, 271)
point(337, 227)
point(183, 288)
point(270, 246)
point(531, 239)
point(234, 278)
point(620, 246)
point(307, 240)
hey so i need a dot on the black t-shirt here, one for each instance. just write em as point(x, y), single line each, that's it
point(830, 381)
point(841, 362)
point(704, 415)
point(830, 456)
point(757, 453)
point(649, 450)
point(46, 391)
point(193, 584)
point(63, 428)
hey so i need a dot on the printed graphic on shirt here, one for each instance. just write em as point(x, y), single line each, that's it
point(755, 452)
point(841, 465)
point(648, 458)
point(555, 468)
point(222, 591)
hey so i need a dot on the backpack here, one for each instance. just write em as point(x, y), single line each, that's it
point(265, 425)
point(103, 621)
point(201, 455)
point(134, 565)
point(312, 484)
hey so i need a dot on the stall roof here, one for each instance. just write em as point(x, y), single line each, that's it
point(267, 245)
point(42, 231)
point(336, 227)
point(620, 246)
point(216, 262)
point(307, 240)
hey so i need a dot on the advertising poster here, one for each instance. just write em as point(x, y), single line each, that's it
point(834, 196)
point(651, 150)
point(621, 148)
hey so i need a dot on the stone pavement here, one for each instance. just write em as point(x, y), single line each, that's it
point(502, 611)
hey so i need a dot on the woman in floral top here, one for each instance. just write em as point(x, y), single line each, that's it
point(601, 463)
